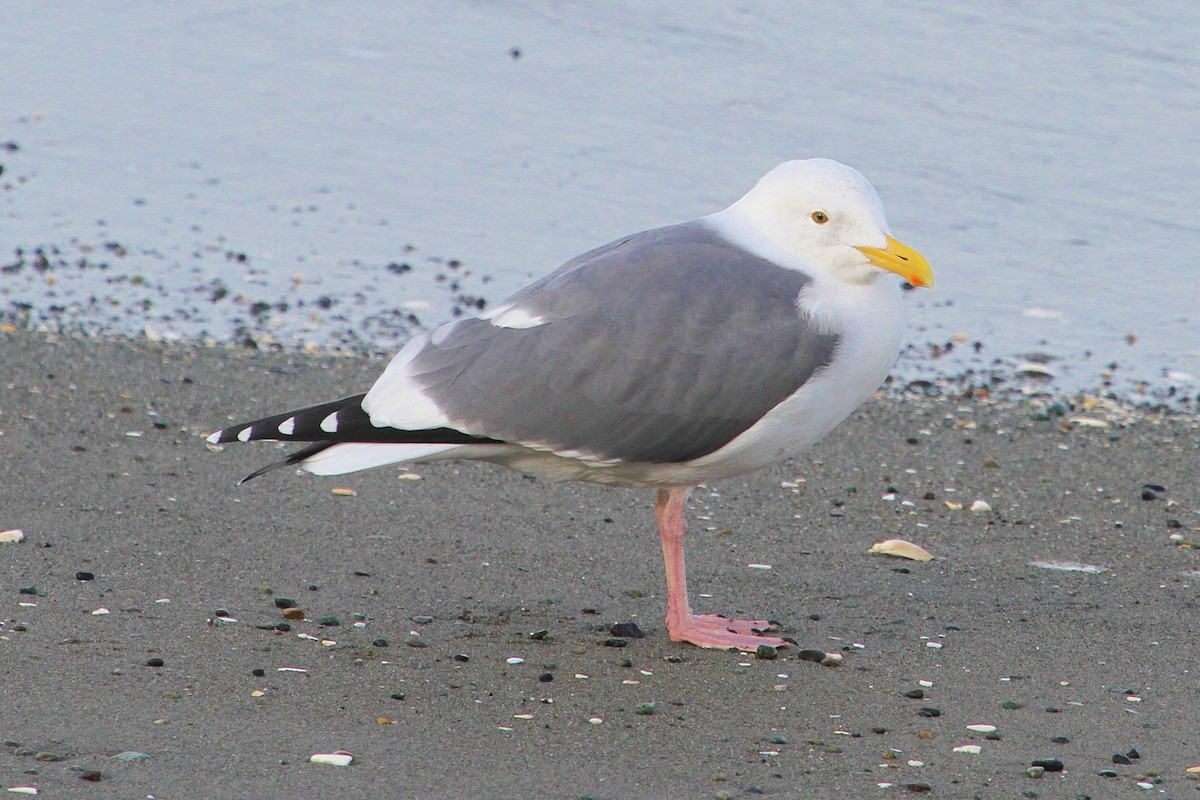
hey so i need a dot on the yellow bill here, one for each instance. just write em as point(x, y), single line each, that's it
point(902, 260)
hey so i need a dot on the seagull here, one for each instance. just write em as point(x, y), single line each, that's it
point(665, 359)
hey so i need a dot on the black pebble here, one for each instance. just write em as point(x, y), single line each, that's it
point(1059, 739)
point(928, 711)
point(1108, 773)
point(812, 655)
point(154, 662)
point(1119, 758)
point(462, 657)
point(1049, 764)
point(258, 672)
point(615, 641)
point(918, 787)
point(628, 630)
point(283, 627)
point(397, 695)
point(915, 694)
point(84, 576)
point(27, 590)
point(1053, 710)
point(545, 677)
point(285, 602)
point(92, 775)
point(1133, 753)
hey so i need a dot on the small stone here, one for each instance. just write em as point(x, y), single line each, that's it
point(416, 641)
point(615, 641)
point(92, 775)
point(1108, 773)
point(1119, 758)
point(154, 662)
point(645, 709)
point(1133, 753)
point(627, 630)
point(84, 576)
point(1059, 739)
point(1035, 772)
point(1011, 704)
point(285, 602)
point(329, 622)
point(422, 620)
point(333, 759)
point(258, 672)
point(879, 729)
point(812, 655)
point(545, 677)
point(918, 788)
point(1049, 764)
point(769, 652)
point(539, 635)
point(929, 712)
point(915, 694)
point(293, 613)
point(48, 756)
point(778, 740)
point(397, 695)
point(27, 590)
point(463, 657)
point(380, 643)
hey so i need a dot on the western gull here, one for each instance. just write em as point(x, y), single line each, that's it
point(664, 359)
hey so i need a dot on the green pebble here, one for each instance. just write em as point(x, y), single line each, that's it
point(778, 740)
point(767, 652)
point(1012, 704)
point(329, 622)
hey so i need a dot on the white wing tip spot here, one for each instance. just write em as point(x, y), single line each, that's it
point(288, 426)
point(330, 423)
point(245, 433)
point(214, 438)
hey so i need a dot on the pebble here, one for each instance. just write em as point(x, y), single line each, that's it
point(380, 642)
point(627, 630)
point(514, 660)
point(615, 641)
point(980, 507)
point(293, 613)
point(154, 662)
point(92, 775)
point(1035, 772)
point(338, 759)
point(929, 712)
point(422, 620)
point(463, 657)
point(645, 709)
point(27, 590)
point(329, 622)
point(812, 655)
point(1049, 764)
point(1119, 758)
point(769, 652)
point(1108, 773)
point(539, 635)
point(285, 602)
point(416, 641)
point(1011, 704)
point(545, 677)
point(915, 694)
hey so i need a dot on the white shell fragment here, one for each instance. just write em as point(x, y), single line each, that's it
point(899, 548)
point(973, 749)
point(338, 759)
point(980, 507)
point(1031, 370)
point(1089, 422)
point(11, 537)
point(1068, 566)
point(982, 728)
point(23, 789)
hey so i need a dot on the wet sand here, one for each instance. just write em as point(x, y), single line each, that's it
point(102, 466)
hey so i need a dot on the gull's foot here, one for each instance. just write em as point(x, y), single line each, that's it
point(714, 630)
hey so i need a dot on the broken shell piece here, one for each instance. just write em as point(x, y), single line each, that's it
point(1031, 370)
point(343, 491)
point(1088, 422)
point(973, 749)
point(1067, 566)
point(13, 536)
point(953, 506)
point(901, 549)
point(338, 759)
point(980, 507)
point(982, 728)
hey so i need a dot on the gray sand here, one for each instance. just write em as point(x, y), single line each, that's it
point(492, 556)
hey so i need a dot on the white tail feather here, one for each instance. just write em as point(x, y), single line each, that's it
point(356, 456)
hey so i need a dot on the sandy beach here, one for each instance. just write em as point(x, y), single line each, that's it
point(125, 510)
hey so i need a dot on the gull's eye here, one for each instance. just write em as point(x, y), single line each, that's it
point(820, 217)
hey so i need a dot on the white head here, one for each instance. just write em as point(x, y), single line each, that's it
point(830, 215)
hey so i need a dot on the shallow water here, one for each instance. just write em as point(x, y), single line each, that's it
point(1045, 158)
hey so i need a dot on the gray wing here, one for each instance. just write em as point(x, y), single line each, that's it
point(660, 348)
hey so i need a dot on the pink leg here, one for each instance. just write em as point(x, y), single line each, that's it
point(705, 630)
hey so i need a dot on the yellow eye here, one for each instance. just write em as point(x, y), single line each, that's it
point(820, 217)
